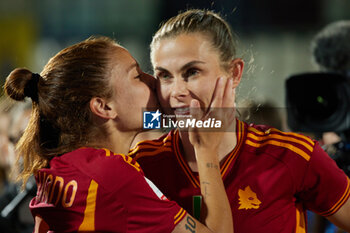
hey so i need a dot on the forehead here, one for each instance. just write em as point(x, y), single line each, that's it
point(121, 57)
point(122, 63)
point(183, 47)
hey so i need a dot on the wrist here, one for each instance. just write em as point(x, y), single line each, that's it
point(205, 150)
point(204, 156)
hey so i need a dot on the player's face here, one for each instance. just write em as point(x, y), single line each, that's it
point(186, 67)
point(133, 90)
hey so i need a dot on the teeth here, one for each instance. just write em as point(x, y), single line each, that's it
point(182, 111)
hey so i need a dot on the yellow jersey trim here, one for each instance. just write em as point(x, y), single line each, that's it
point(88, 223)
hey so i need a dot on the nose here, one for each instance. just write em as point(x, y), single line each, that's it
point(179, 88)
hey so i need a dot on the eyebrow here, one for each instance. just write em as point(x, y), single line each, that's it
point(132, 66)
point(184, 67)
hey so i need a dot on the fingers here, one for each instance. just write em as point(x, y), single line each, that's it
point(196, 113)
point(194, 103)
point(224, 94)
point(228, 100)
point(223, 103)
point(218, 93)
point(195, 110)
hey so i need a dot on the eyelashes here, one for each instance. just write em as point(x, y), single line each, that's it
point(190, 72)
point(163, 75)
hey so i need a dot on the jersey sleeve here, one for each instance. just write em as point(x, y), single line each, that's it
point(325, 187)
point(148, 207)
point(145, 208)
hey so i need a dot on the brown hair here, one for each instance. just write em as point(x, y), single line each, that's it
point(200, 21)
point(61, 120)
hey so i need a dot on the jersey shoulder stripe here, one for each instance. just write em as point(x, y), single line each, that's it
point(127, 159)
point(151, 147)
point(179, 216)
point(280, 144)
point(131, 162)
point(273, 132)
point(339, 203)
point(140, 154)
point(299, 144)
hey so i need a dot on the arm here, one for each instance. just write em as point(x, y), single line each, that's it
point(342, 217)
point(325, 189)
point(190, 225)
point(218, 212)
point(40, 225)
point(219, 215)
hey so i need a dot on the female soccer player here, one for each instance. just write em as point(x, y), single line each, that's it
point(83, 121)
point(271, 177)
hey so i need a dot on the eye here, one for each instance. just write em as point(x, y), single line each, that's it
point(163, 76)
point(138, 76)
point(191, 72)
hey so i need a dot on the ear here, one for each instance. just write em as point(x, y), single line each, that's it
point(236, 70)
point(101, 108)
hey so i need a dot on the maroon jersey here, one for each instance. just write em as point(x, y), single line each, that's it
point(271, 178)
point(96, 190)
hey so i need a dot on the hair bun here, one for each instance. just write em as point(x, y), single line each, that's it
point(31, 89)
point(22, 83)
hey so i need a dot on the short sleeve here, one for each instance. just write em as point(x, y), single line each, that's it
point(148, 207)
point(325, 187)
point(145, 208)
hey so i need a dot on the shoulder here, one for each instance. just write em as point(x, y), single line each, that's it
point(262, 138)
point(103, 165)
point(146, 135)
point(87, 156)
point(154, 147)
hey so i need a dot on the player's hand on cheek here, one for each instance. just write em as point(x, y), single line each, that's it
point(221, 109)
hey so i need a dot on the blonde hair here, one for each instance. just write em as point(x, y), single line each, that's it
point(200, 21)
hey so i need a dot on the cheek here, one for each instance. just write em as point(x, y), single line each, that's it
point(163, 93)
point(146, 96)
point(202, 91)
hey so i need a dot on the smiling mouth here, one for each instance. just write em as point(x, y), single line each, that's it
point(182, 112)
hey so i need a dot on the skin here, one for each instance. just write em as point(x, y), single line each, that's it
point(342, 217)
point(113, 113)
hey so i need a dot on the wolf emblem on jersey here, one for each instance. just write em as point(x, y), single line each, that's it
point(248, 199)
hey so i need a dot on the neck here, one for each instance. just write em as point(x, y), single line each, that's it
point(117, 141)
point(228, 143)
point(120, 142)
